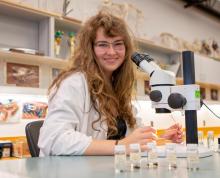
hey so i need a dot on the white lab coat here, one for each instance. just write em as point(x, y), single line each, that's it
point(67, 129)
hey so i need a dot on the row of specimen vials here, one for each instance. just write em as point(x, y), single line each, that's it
point(210, 140)
point(136, 161)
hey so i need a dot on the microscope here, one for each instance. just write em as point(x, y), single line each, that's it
point(166, 96)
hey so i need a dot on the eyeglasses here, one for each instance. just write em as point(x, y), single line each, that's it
point(104, 45)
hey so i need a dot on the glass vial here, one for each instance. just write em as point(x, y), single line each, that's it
point(200, 138)
point(192, 157)
point(171, 155)
point(210, 140)
point(135, 155)
point(152, 155)
point(120, 158)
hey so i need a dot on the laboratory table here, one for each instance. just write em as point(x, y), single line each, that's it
point(101, 167)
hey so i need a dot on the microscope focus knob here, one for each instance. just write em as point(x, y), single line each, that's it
point(176, 100)
point(155, 95)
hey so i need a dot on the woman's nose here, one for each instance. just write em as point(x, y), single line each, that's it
point(111, 49)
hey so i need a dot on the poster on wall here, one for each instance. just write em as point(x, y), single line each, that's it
point(34, 110)
point(14, 107)
point(9, 110)
point(23, 75)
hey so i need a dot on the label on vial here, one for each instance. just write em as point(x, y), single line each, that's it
point(193, 157)
point(135, 157)
point(171, 157)
point(152, 155)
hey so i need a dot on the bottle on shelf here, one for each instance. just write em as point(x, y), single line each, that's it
point(210, 140)
point(200, 138)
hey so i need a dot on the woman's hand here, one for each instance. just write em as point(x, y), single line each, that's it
point(174, 133)
point(141, 135)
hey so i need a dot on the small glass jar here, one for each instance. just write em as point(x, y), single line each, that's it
point(210, 140)
point(171, 155)
point(135, 155)
point(200, 138)
point(192, 157)
point(18, 149)
point(152, 155)
point(120, 158)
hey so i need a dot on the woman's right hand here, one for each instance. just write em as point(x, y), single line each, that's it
point(141, 135)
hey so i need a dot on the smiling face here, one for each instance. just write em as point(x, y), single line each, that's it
point(109, 51)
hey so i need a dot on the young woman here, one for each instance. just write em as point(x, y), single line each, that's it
point(90, 103)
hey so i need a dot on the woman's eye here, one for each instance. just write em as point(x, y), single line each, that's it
point(103, 45)
point(119, 44)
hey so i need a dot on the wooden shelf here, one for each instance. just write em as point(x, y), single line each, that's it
point(68, 23)
point(179, 81)
point(34, 59)
point(11, 8)
point(151, 45)
point(202, 84)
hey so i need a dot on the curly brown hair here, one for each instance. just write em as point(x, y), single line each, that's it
point(114, 99)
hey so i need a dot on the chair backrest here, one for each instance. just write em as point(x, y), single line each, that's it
point(32, 131)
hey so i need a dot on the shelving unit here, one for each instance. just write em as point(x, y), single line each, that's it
point(41, 27)
point(25, 27)
point(153, 46)
point(32, 59)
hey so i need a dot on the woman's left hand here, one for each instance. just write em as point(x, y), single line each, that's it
point(174, 133)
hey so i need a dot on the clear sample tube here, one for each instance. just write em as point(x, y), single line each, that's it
point(171, 155)
point(120, 158)
point(152, 155)
point(192, 157)
point(135, 155)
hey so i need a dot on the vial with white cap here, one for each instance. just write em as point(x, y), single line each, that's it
point(192, 157)
point(171, 155)
point(135, 155)
point(152, 155)
point(120, 158)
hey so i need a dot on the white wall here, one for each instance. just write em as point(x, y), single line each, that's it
point(161, 16)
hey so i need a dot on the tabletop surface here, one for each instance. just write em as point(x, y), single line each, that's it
point(101, 166)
